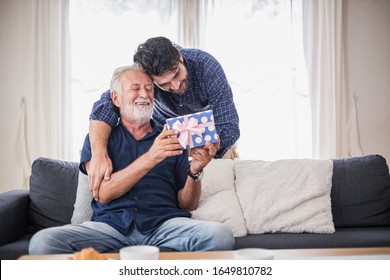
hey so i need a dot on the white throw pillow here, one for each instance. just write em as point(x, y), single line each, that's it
point(82, 208)
point(218, 200)
point(286, 195)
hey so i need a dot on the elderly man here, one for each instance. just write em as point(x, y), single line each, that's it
point(152, 189)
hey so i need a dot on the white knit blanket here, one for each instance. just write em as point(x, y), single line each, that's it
point(285, 196)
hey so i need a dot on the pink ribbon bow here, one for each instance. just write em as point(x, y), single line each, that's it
point(187, 128)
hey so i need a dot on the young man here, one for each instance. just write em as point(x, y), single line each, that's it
point(152, 189)
point(186, 81)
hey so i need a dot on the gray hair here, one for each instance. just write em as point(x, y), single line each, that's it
point(115, 84)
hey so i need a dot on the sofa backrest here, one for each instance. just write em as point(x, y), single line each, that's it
point(361, 192)
point(53, 185)
point(274, 196)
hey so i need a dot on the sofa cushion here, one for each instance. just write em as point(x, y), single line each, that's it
point(53, 186)
point(361, 192)
point(286, 195)
point(342, 238)
point(82, 207)
point(218, 201)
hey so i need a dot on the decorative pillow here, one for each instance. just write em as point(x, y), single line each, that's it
point(285, 196)
point(361, 192)
point(52, 193)
point(82, 207)
point(218, 200)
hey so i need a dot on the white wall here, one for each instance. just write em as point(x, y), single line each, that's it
point(15, 81)
point(368, 70)
point(368, 66)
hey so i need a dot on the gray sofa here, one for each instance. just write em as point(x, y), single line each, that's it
point(360, 200)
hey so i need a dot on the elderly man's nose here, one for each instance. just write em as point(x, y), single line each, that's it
point(143, 92)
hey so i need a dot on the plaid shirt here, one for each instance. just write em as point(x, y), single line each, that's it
point(208, 89)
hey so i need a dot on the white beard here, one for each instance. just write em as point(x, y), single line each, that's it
point(135, 114)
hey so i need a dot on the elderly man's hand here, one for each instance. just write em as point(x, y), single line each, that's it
point(166, 145)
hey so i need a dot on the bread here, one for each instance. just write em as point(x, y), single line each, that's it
point(87, 254)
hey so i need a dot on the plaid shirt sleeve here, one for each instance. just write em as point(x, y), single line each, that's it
point(221, 102)
point(105, 110)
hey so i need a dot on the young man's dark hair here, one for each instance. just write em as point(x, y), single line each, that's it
point(158, 55)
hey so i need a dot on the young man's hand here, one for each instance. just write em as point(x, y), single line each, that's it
point(100, 168)
point(201, 156)
point(100, 165)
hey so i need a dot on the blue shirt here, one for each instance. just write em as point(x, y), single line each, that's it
point(208, 89)
point(154, 198)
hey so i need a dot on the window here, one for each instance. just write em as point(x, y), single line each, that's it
point(104, 36)
point(258, 44)
point(263, 59)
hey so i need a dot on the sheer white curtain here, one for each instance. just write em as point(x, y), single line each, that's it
point(42, 116)
point(50, 74)
point(191, 22)
point(331, 105)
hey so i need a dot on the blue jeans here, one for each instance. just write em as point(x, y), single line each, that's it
point(180, 234)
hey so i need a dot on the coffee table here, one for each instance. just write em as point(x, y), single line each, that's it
point(375, 253)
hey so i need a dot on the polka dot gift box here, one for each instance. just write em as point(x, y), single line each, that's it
point(194, 129)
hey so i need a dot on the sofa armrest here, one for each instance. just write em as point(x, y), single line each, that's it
point(13, 215)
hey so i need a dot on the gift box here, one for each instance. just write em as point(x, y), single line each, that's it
point(194, 129)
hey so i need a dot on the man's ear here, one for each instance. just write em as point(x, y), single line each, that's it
point(115, 98)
